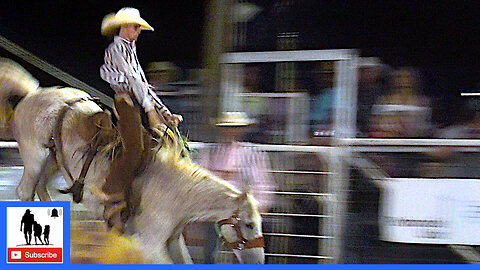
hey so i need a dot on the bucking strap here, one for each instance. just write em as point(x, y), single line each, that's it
point(77, 188)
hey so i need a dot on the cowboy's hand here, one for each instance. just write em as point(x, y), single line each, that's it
point(159, 130)
point(173, 119)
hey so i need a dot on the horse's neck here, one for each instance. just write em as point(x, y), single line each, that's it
point(193, 197)
point(216, 201)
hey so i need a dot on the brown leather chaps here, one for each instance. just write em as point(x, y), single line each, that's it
point(125, 164)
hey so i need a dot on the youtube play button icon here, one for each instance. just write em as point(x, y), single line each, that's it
point(16, 255)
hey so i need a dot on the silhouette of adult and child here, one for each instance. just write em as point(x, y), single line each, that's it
point(29, 226)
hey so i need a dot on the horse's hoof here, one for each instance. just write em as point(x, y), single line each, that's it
point(21, 195)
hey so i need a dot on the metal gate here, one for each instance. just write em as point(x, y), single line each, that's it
point(300, 227)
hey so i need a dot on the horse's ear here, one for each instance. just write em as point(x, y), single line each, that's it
point(247, 203)
point(242, 198)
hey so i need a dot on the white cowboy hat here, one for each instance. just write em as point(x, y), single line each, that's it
point(124, 16)
point(234, 119)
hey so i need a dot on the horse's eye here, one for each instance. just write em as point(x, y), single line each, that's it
point(249, 225)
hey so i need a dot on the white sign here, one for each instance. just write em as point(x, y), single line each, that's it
point(430, 211)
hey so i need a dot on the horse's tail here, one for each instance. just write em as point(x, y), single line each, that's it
point(15, 84)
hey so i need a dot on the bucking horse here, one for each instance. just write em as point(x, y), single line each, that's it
point(60, 129)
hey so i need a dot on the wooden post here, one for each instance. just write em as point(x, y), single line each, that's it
point(216, 41)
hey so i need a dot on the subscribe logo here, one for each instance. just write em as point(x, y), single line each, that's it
point(34, 235)
point(34, 255)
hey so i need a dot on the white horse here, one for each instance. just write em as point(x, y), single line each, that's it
point(168, 193)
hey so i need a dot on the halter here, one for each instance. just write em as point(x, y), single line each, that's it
point(243, 243)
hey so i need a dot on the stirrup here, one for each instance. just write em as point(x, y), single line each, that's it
point(76, 189)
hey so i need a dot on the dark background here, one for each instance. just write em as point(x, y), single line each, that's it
point(67, 33)
point(440, 37)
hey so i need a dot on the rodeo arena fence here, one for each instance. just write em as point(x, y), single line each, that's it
point(354, 201)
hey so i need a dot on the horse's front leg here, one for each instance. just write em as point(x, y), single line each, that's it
point(49, 169)
point(152, 230)
point(178, 250)
point(156, 252)
point(35, 160)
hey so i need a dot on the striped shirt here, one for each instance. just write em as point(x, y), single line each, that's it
point(245, 167)
point(125, 75)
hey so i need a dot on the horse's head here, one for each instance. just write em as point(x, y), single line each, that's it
point(243, 231)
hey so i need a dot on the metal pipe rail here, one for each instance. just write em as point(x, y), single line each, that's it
point(295, 215)
point(408, 142)
point(355, 144)
point(297, 193)
point(8, 145)
point(286, 255)
point(301, 172)
point(287, 56)
point(298, 235)
point(54, 71)
point(407, 145)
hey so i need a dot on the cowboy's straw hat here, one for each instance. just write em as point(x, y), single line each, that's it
point(124, 16)
point(234, 119)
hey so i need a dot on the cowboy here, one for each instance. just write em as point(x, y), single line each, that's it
point(239, 163)
point(133, 94)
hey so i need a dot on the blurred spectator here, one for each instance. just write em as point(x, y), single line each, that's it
point(371, 84)
point(322, 100)
point(258, 78)
point(322, 94)
point(161, 73)
point(252, 79)
point(404, 112)
point(450, 162)
point(241, 164)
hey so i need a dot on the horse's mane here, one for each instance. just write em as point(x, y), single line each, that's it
point(172, 154)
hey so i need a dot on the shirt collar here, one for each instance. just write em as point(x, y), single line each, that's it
point(119, 39)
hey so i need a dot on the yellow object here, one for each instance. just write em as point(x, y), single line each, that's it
point(121, 250)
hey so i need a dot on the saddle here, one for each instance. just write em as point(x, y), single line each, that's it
point(152, 141)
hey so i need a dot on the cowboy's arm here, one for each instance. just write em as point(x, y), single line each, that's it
point(120, 74)
point(264, 181)
point(257, 166)
point(171, 119)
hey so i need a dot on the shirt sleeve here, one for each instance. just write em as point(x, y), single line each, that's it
point(120, 75)
point(256, 172)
